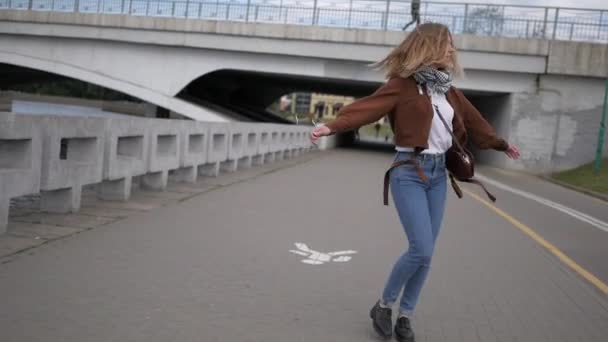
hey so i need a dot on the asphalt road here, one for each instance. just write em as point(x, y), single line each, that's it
point(218, 266)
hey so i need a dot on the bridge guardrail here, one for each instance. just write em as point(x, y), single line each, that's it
point(55, 156)
point(474, 18)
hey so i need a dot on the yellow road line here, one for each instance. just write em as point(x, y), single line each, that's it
point(546, 244)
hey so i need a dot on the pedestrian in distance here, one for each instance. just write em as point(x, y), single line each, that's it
point(427, 114)
point(415, 13)
point(377, 127)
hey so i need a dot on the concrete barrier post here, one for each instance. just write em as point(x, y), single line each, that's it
point(252, 142)
point(264, 142)
point(163, 154)
point(20, 160)
point(194, 147)
point(297, 145)
point(292, 141)
point(125, 156)
point(217, 150)
point(282, 145)
point(237, 133)
point(5, 203)
point(72, 157)
point(274, 136)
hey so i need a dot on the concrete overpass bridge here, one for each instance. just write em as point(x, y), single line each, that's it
point(538, 93)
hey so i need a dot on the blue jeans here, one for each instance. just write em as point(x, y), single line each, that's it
point(420, 207)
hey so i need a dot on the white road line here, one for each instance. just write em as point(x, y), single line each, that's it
point(599, 224)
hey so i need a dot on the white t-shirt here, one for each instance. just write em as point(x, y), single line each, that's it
point(440, 139)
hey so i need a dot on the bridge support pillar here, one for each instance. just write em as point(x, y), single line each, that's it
point(115, 190)
point(269, 157)
point(245, 162)
point(156, 181)
point(229, 165)
point(210, 169)
point(187, 174)
point(65, 200)
point(257, 160)
point(5, 203)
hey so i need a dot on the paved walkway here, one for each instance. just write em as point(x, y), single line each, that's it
point(214, 264)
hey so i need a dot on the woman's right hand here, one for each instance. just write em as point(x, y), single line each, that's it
point(512, 152)
point(318, 132)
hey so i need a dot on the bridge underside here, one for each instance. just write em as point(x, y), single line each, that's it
point(251, 93)
point(241, 95)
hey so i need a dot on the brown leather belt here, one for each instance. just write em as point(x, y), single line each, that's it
point(414, 161)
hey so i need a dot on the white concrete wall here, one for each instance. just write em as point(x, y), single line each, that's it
point(55, 156)
point(578, 59)
point(557, 127)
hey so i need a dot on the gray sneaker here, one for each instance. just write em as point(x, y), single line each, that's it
point(403, 330)
point(382, 319)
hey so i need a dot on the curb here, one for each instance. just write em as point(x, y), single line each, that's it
point(597, 195)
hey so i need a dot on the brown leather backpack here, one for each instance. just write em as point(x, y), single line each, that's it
point(460, 163)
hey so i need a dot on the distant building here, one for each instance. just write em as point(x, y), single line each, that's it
point(301, 105)
point(326, 106)
point(321, 106)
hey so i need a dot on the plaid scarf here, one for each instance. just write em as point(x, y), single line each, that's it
point(438, 81)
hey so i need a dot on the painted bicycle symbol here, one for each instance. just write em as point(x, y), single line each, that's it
point(318, 258)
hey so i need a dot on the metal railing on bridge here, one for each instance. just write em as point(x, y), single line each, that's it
point(481, 19)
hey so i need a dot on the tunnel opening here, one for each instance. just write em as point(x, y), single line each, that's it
point(250, 95)
point(271, 97)
point(496, 109)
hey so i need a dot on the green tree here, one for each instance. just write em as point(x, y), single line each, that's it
point(73, 88)
point(485, 21)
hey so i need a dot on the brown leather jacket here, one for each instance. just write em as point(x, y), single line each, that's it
point(410, 115)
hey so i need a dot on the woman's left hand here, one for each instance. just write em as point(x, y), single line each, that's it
point(512, 152)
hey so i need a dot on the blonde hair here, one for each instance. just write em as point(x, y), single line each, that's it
point(424, 46)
